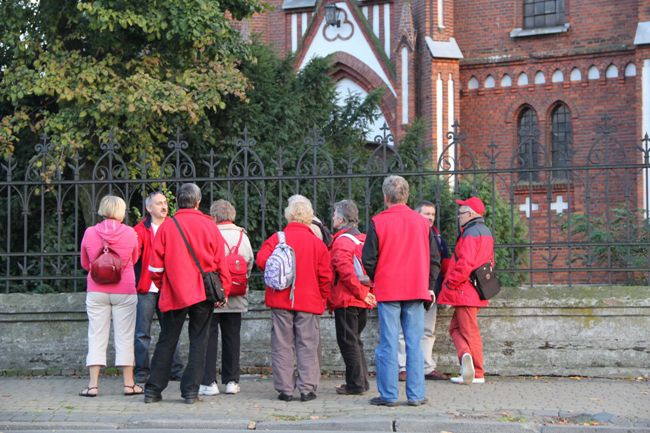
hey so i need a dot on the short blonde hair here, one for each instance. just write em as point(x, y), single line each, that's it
point(112, 207)
point(299, 210)
point(223, 210)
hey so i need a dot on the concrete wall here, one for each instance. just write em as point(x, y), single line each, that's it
point(592, 331)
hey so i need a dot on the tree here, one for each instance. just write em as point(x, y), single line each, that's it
point(81, 70)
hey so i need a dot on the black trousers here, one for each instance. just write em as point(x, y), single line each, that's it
point(230, 324)
point(171, 326)
point(350, 323)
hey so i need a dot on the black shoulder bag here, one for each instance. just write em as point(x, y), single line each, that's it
point(213, 287)
point(485, 280)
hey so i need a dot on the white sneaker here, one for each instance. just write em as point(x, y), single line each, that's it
point(459, 380)
point(211, 389)
point(232, 387)
point(467, 368)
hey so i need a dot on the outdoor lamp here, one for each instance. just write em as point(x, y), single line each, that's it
point(332, 15)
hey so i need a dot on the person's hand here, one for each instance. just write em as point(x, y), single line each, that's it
point(433, 296)
point(220, 304)
point(370, 299)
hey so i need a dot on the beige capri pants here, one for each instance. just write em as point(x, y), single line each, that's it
point(100, 307)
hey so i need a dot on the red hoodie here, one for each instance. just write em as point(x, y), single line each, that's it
point(347, 290)
point(123, 240)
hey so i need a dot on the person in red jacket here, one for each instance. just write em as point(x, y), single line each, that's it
point(182, 293)
point(474, 248)
point(156, 205)
point(296, 327)
point(350, 297)
point(402, 259)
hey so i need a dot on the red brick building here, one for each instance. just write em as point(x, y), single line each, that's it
point(534, 77)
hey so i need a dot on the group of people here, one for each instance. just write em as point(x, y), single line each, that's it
point(401, 266)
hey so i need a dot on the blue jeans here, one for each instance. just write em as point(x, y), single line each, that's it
point(411, 316)
point(147, 306)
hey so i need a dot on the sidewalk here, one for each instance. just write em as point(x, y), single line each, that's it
point(502, 404)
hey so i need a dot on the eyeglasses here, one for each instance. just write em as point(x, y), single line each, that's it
point(463, 213)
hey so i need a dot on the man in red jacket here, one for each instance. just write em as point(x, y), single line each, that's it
point(182, 292)
point(474, 248)
point(350, 297)
point(401, 257)
point(156, 205)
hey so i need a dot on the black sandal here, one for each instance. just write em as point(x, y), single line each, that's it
point(86, 391)
point(133, 390)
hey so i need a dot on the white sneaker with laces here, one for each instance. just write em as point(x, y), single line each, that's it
point(459, 380)
point(211, 389)
point(232, 387)
point(467, 368)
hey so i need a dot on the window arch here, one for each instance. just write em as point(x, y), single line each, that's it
point(528, 143)
point(561, 137)
point(473, 83)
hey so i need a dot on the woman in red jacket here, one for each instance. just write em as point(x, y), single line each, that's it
point(350, 298)
point(296, 326)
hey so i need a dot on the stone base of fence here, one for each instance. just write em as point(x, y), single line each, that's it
point(584, 331)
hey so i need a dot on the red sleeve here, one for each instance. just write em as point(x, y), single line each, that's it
point(265, 251)
point(324, 273)
point(464, 263)
point(140, 235)
point(342, 263)
point(157, 260)
point(221, 264)
point(137, 249)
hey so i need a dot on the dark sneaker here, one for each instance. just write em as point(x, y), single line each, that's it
point(192, 400)
point(344, 390)
point(436, 375)
point(417, 402)
point(378, 401)
point(402, 376)
point(285, 397)
point(309, 396)
point(152, 398)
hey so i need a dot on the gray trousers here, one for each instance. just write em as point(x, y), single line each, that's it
point(296, 333)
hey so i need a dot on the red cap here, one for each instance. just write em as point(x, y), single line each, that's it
point(474, 203)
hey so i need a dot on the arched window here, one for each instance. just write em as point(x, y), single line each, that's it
point(561, 136)
point(529, 147)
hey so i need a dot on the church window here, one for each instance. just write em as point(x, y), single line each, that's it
point(528, 144)
point(543, 13)
point(560, 140)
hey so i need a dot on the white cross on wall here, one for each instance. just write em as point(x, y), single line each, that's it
point(559, 206)
point(528, 207)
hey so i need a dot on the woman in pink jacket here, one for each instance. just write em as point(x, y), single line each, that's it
point(117, 300)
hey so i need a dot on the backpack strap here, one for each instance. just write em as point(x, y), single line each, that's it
point(352, 238)
point(282, 238)
point(235, 249)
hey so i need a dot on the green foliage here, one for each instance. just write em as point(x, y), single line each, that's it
point(622, 226)
point(78, 70)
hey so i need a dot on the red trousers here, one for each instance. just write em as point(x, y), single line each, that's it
point(466, 336)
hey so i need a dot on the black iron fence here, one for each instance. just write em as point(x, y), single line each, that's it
point(581, 218)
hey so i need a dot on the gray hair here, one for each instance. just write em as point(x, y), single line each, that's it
point(395, 189)
point(348, 211)
point(223, 210)
point(188, 196)
point(149, 200)
point(299, 210)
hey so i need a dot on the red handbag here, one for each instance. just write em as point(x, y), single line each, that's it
point(107, 266)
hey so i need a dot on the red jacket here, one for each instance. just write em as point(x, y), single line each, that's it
point(475, 247)
point(173, 269)
point(347, 290)
point(145, 246)
point(401, 255)
point(313, 271)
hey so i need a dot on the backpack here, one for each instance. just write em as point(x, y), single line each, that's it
point(107, 266)
point(356, 259)
point(280, 269)
point(238, 267)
